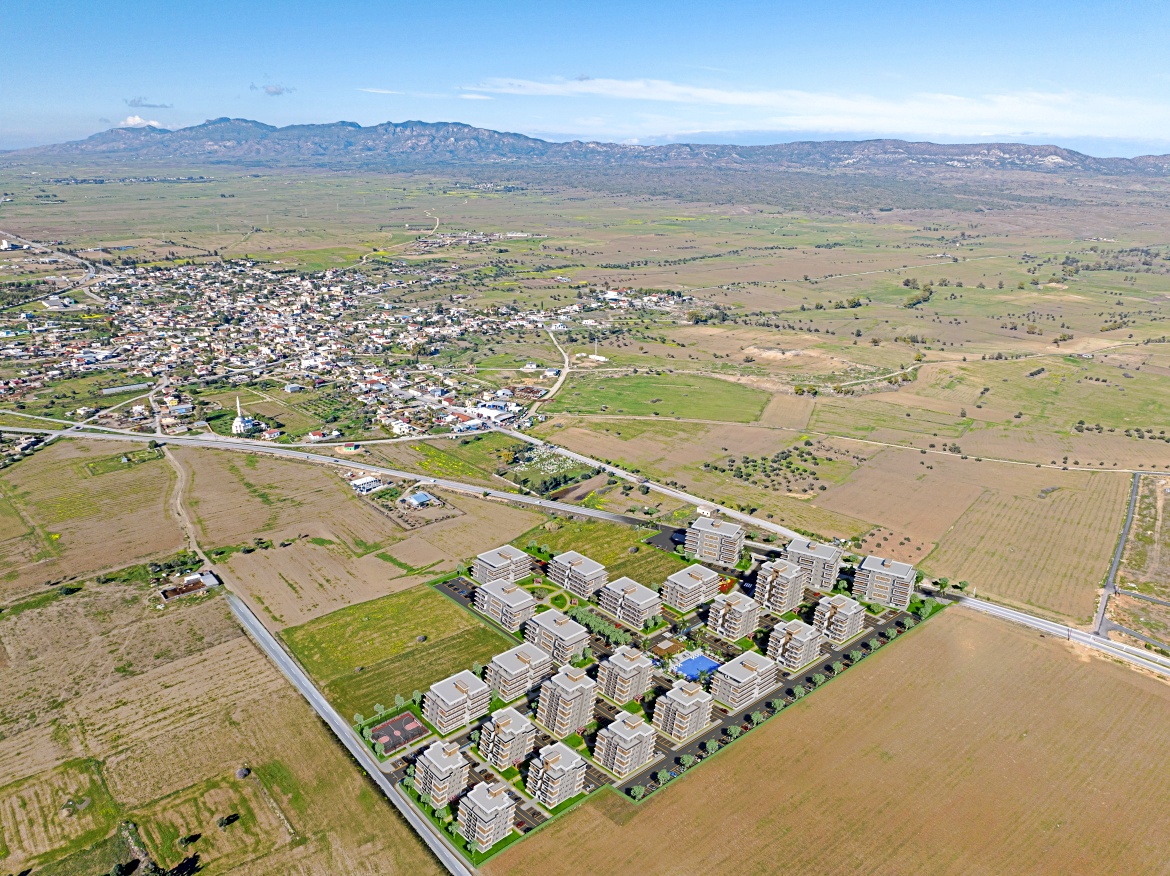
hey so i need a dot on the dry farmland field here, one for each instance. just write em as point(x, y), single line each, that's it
point(113, 711)
point(893, 770)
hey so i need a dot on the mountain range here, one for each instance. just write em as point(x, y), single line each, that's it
point(413, 143)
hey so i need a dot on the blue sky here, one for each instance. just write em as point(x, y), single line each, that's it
point(1094, 76)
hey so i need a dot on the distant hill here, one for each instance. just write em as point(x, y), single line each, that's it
point(347, 144)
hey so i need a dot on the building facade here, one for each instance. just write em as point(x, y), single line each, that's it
point(558, 634)
point(740, 682)
point(577, 573)
point(566, 702)
point(518, 670)
point(886, 582)
point(626, 745)
point(505, 563)
point(625, 675)
point(505, 602)
point(629, 602)
point(456, 701)
point(733, 616)
point(683, 710)
point(506, 739)
point(440, 773)
point(839, 618)
point(486, 813)
point(780, 586)
point(555, 775)
point(689, 588)
point(711, 540)
point(820, 561)
point(794, 645)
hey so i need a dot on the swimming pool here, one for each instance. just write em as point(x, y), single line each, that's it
point(693, 665)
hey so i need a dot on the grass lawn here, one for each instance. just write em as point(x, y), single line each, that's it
point(380, 636)
point(682, 395)
point(609, 544)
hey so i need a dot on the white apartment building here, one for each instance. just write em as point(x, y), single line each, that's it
point(821, 561)
point(733, 616)
point(577, 573)
point(505, 563)
point(794, 645)
point(485, 815)
point(839, 618)
point(566, 702)
point(456, 701)
point(505, 602)
point(555, 775)
point(689, 588)
point(629, 602)
point(711, 540)
point(683, 710)
point(740, 682)
point(625, 675)
point(507, 738)
point(440, 773)
point(558, 634)
point(626, 745)
point(518, 670)
point(780, 586)
point(886, 582)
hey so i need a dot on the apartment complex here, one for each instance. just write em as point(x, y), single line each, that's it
point(626, 745)
point(740, 682)
point(839, 618)
point(689, 588)
point(683, 710)
point(733, 616)
point(506, 563)
point(629, 602)
point(886, 582)
point(555, 775)
point(485, 815)
point(518, 670)
point(794, 645)
point(440, 773)
point(819, 560)
point(506, 739)
point(625, 675)
point(566, 702)
point(712, 540)
point(780, 586)
point(558, 634)
point(577, 573)
point(505, 602)
point(456, 701)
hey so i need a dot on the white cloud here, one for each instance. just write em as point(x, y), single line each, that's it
point(474, 96)
point(379, 91)
point(137, 122)
point(1020, 113)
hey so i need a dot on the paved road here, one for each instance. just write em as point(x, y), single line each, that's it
point(656, 487)
point(1099, 625)
point(1143, 659)
point(556, 387)
point(449, 858)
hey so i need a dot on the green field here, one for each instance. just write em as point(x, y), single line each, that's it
point(676, 395)
point(608, 544)
point(380, 636)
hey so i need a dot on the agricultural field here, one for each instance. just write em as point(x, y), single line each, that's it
point(1047, 550)
point(73, 508)
point(114, 711)
point(367, 653)
point(1145, 565)
point(822, 786)
point(619, 548)
point(682, 395)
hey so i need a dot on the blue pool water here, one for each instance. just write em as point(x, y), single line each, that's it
point(692, 666)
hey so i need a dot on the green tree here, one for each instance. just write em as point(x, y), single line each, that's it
point(687, 761)
point(818, 679)
point(757, 718)
point(638, 792)
point(399, 701)
point(798, 692)
point(711, 746)
point(379, 709)
point(416, 698)
point(734, 731)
